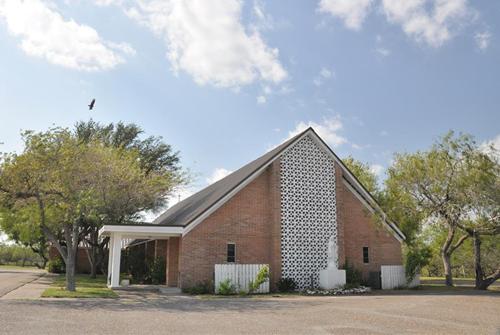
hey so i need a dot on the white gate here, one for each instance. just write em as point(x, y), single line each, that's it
point(394, 276)
point(240, 276)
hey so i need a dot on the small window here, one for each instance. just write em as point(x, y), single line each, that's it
point(231, 252)
point(366, 258)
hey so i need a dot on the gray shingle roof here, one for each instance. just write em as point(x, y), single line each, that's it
point(187, 210)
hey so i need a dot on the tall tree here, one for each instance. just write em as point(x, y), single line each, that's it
point(155, 158)
point(19, 224)
point(482, 190)
point(432, 184)
point(72, 183)
point(362, 172)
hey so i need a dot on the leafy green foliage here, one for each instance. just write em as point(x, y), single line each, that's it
point(226, 287)
point(353, 275)
point(157, 271)
point(286, 285)
point(73, 186)
point(204, 287)
point(416, 257)
point(362, 172)
point(18, 255)
point(261, 277)
point(56, 265)
point(454, 186)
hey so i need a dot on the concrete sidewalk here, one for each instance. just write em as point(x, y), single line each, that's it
point(32, 289)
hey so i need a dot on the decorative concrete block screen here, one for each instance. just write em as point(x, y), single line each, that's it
point(394, 276)
point(240, 276)
point(308, 211)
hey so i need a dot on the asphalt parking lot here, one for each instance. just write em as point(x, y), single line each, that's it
point(11, 279)
point(148, 313)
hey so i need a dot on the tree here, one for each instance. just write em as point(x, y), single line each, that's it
point(397, 208)
point(482, 191)
point(432, 187)
point(20, 226)
point(362, 172)
point(155, 158)
point(74, 183)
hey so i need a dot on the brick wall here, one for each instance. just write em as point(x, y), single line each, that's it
point(357, 229)
point(82, 260)
point(251, 220)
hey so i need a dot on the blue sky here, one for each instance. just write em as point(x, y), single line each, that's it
point(223, 81)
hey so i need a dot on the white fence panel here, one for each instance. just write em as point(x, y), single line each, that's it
point(240, 276)
point(394, 276)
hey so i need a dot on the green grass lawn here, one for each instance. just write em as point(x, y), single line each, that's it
point(85, 288)
point(17, 267)
point(442, 278)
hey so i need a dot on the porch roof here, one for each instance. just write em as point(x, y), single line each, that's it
point(143, 230)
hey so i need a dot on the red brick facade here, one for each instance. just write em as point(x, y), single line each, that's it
point(358, 229)
point(252, 220)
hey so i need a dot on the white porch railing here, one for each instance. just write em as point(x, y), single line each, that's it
point(240, 276)
point(394, 276)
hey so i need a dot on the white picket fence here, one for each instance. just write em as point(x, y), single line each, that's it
point(240, 276)
point(394, 276)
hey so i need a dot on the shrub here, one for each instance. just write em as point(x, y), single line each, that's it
point(56, 265)
point(226, 287)
point(157, 271)
point(416, 258)
point(204, 287)
point(286, 285)
point(261, 277)
point(353, 275)
point(134, 264)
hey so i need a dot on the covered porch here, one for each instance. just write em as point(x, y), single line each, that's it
point(121, 235)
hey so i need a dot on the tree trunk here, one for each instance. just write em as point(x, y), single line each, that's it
point(482, 282)
point(70, 268)
point(93, 252)
point(446, 257)
point(92, 256)
point(447, 269)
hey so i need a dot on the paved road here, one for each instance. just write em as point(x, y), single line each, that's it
point(401, 313)
point(11, 279)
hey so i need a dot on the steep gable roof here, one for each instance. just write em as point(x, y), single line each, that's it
point(187, 210)
point(201, 204)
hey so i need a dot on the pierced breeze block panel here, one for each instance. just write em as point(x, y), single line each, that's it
point(308, 211)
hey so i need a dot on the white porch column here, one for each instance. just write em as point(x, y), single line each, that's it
point(110, 260)
point(115, 256)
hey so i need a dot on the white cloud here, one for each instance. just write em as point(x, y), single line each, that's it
point(261, 99)
point(429, 21)
point(207, 40)
point(46, 34)
point(382, 51)
point(483, 40)
point(356, 146)
point(108, 2)
point(328, 130)
point(352, 12)
point(263, 20)
point(217, 175)
point(324, 74)
point(384, 133)
point(376, 169)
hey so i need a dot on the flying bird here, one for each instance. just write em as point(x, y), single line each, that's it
point(92, 103)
